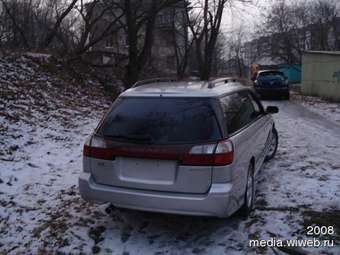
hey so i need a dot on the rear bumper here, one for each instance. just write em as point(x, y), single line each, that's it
point(272, 91)
point(217, 202)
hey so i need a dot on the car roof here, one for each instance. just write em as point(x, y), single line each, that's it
point(184, 89)
point(270, 71)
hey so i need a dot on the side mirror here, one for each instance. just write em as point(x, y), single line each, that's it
point(272, 109)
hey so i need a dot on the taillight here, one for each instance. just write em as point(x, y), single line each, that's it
point(96, 147)
point(219, 154)
point(224, 154)
point(87, 147)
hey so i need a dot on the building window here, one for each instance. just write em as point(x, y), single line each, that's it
point(164, 19)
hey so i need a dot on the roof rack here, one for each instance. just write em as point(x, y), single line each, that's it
point(213, 83)
point(154, 80)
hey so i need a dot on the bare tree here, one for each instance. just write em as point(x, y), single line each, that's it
point(13, 26)
point(234, 42)
point(205, 23)
point(93, 29)
point(323, 14)
point(294, 27)
point(182, 43)
point(61, 14)
point(35, 24)
point(140, 20)
point(285, 25)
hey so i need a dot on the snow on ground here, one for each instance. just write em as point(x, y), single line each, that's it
point(35, 55)
point(301, 186)
point(41, 135)
point(318, 105)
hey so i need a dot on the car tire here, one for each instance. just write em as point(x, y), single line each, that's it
point(273, 145)
point(249, 195)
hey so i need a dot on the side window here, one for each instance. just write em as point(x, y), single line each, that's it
point(247, 111)
point(257, 105)
point(231, 105)
point(238, 111)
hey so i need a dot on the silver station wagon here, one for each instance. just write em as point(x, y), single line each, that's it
point(180, 147)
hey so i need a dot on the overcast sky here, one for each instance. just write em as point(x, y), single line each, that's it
point(246, 15)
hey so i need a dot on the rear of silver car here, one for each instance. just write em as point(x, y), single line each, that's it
point(158, 185)
point(176, 168)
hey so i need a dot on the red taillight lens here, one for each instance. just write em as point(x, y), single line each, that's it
point(220, 154)
point(96, 147)
point(224, 154)
point(99, 148)
point(87, 151)
point(87, 147)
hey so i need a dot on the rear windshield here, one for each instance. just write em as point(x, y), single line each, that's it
point(161, 121)
point(271, 76)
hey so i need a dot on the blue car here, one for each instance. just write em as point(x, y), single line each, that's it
point(272, 83)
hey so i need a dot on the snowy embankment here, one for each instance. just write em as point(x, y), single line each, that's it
point(318, 105)
point(43, 124)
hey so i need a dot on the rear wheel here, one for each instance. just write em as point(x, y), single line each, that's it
point(249, 195)
point(273, 145)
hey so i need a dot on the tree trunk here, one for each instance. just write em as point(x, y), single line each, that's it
point(17, 27)
point(138, 57)
point(50, 36)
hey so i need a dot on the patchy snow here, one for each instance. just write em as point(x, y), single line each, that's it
point(327, 109)
point(38, 56)
point(303, 178)
point(42, 130)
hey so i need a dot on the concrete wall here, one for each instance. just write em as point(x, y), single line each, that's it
point(321, 74)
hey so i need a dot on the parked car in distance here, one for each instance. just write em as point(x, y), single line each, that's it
point(272, 83)
point(190, 148)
